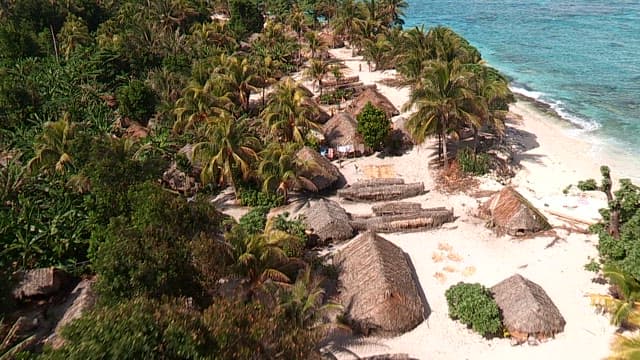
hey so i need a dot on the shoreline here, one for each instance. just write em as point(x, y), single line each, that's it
point(466, 250)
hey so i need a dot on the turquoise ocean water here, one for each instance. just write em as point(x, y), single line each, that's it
point(581, 57)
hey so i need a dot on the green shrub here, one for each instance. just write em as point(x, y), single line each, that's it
point(253, 197)
point(373, 125)
point(254, 221)
point(246, 18)
point(587, 185)
point(292, 227)
point(470, 163)
point(136, 101)
point(473, 305)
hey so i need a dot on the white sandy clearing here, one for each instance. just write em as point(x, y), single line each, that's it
point(466, 251)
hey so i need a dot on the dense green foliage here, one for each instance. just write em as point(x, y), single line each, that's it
point(471, 163)
point(246, 17)
point(136, 101)
point(587, 185)
point(473, 305)
point(373, 125)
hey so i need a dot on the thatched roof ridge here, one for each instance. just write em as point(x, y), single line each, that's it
point(378, 287)
point(510, 212)
point(396, 207)
point(382, 193)
point(377, 99)
point(416, 221)
point(341, 130)
point(526, 308)
point(320, 171)
point(319, 115)
point(328, 220)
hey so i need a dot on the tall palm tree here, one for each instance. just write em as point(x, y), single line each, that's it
point(316, 71)
point(229, 149)
point(439, 98)
point(287, 114)
point(377, 50)
point(200, 102)
point(343, 23)
point(393, 10)
point(625, 347)
point(240, 77)
point(445, 44)
point(53, 145)
point(280, 168)
point(314, 42)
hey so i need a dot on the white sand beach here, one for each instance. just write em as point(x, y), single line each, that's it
point(466, 250)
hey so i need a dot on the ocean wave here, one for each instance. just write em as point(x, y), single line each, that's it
point(557, 107)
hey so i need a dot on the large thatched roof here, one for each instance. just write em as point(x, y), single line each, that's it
point(510, 212)
point(318, 170)
point(526, 308)
point(327, 220)
point(377, 286)
point(319, 115)
point(378, 100)
point(341, 130)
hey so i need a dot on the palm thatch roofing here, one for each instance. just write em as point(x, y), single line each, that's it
point(396, 208)
point(377, 99)
point(526, 308)
point(320, 172)
point(414, 221)
point(381, 192)
point(319, 115)
point(509, 212)
point(342, 130)
point(377, 286)
point(332, 41)
point(327, 220)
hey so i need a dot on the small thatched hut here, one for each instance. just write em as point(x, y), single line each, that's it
point(327, 220)
point(320, 172)
point(378, 100)
point(341, 134)
point(509, 212)
point(377, 286)
point(527, 309)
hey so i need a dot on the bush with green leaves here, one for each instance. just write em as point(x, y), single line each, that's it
point(587, 185)
point(250, 196)
point(373, 125)
point(470, 163)
point(246, 18)
point(474, 306)
point(254, 221)
point(136, 101)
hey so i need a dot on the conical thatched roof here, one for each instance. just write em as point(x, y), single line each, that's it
point(526, 308)
point(377, 99)
point(342, 129)
point(377, 286)
point(510, 212)
point(328, 220)
point(318, 170)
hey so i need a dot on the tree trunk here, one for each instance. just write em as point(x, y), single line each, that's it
point(614, 205)
point(476, 139)
point(444, 150)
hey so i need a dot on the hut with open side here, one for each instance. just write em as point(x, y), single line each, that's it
point(527, 311)
point(377, 99)
point(320, 172)
point(378, 288)
point(509, 212)
point(341, 135)
point(327, 220)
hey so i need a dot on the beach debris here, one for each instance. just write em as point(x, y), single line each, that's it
point(440, 277)
point(444, 247)
point(468, 271)
point(378, 288)
point(450, 269)
point(509, 212)
point(384, 189)
point(320, 172)
point(177, 180)
point(454, 257)
point(387, 357)
point(527, 310)
point(327, 220)
point(437, 257)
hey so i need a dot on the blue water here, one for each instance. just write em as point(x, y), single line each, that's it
point(580, 56)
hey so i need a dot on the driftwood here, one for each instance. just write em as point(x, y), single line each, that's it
point(423, 219)
point(382, 193)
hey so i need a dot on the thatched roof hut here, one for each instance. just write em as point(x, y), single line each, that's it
point(332, 41)
point(320, 116)
point(342, 130)
point(378, 287)
point(527, 309)
point(357, 192)
point(318, 170)
point(509, 212)
point(327, 220)
point(422, 220)
point(377, 99)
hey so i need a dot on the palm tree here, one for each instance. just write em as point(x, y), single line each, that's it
point(316, 71)
point(229, 149)
point(625, 306)
point(287, 114)
point(377, 50)
point(73, 33)
point(12, 176)
point(439, 98)
point(344, 22)
point(625, 347)
point(53, 146)
point(240, 78)
point(279, 168)
point(201, 101)
point(445, 44)
point(393, 10)
point(314, 42)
